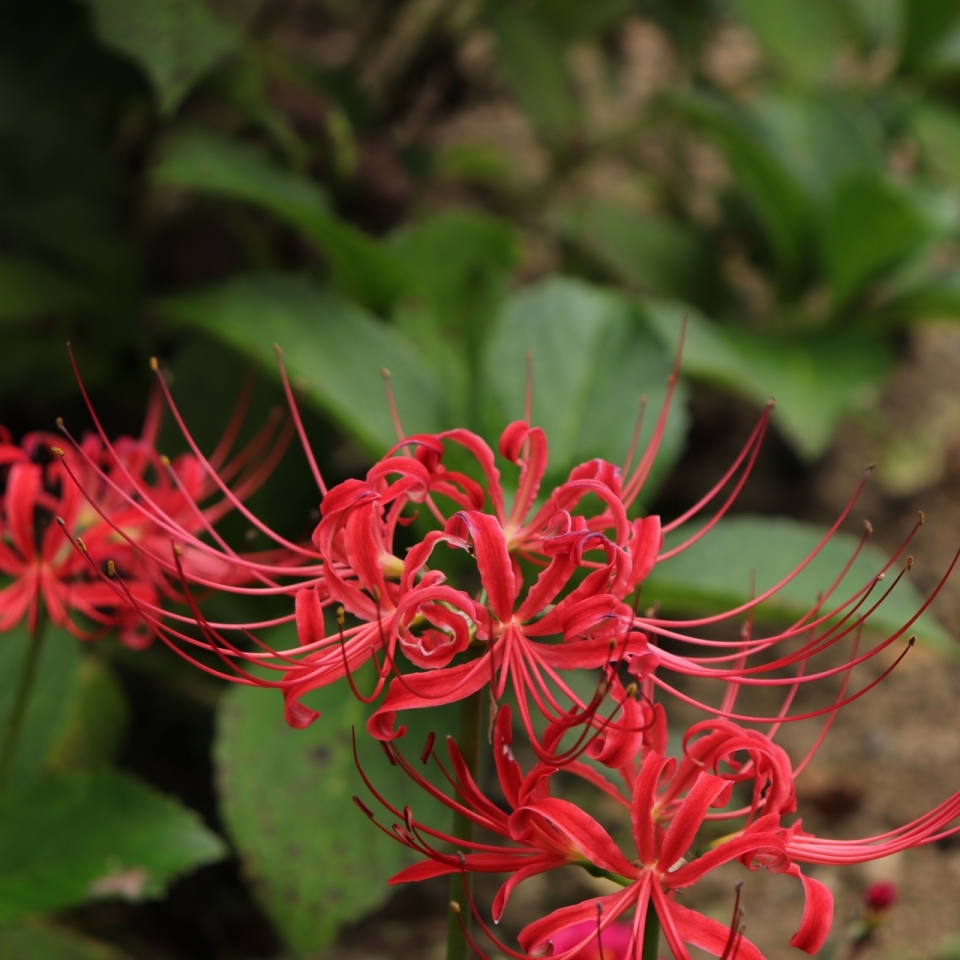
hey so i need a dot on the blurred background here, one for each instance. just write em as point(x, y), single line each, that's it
point(439, 187)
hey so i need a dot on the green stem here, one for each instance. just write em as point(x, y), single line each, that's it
point(651, 934)
point(21, 700)
point(468, 739)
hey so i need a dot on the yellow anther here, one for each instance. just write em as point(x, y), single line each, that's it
point(164, 459)
point(81, 544)
point(57, 451)
point(111, 569)
point(341, 616)
point(154, 365)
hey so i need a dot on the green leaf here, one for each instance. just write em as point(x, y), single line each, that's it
point(362, 268)
point(286, 795)
point(50, 700)
point(176, 42)
point(651, 255)
point(718, 571)
point(66, 839)
point(592, 358)
point(821, 138)
point(93, 730)
point(938, 130)
point(459, 264)
point(802, 36)
point(815, 379)
point(779, 201)
point(333, 347)
point(869, 225)
point(41, 942)
point(532, 56)
point(926, 24)
point(28, 288)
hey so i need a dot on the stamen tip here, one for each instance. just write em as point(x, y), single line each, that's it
point(57, 451)
point(164, 459)
point(59, 423)
point(154, 365)
point(62, 522)
point(868, 526)
point(278, 351)
point(771, 403)
point(912, 640)
point(111, 569)
point(909, 563)
point(922, 516)
point(870, 466)
point(454, 906)
point(385, 373)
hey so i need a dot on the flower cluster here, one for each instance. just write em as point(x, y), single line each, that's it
point(509, 588)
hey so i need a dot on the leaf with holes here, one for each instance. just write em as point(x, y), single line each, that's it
point(315, 859)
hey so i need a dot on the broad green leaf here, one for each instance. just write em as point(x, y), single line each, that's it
point(592, 361)
point(93, 729)
point(938, 130)
point(926, 23)
point(361, 268)
point(459, 264)
point(801, 36)
point(779, 201)
point(869, 225)
point(176, 42)
point(66, 839)
point(50, 700)
point(651, 255)
point(815, 380)
point(532, 56)
point(286, 795)
point(880, 21)
point(31, 941)
point(821, 138)
point(334, 348)
point(743, 556)
point(28, 288)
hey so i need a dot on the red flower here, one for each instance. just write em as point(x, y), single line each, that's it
point(667, 803)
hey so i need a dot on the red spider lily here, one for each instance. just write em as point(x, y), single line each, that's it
point(41, 563)
point(117, 503)
point(592, 558)
point(612, 944)
point(667, 803)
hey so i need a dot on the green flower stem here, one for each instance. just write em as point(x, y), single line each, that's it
point(14, 725)
point(468, 739)
point(651, 934)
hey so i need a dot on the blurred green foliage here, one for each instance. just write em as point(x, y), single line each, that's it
point(440, 187)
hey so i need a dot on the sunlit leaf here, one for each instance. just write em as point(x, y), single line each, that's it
point(334, 348)
point(66, 839)
point(361, 267)
point(176, 42)
point(743, 556)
